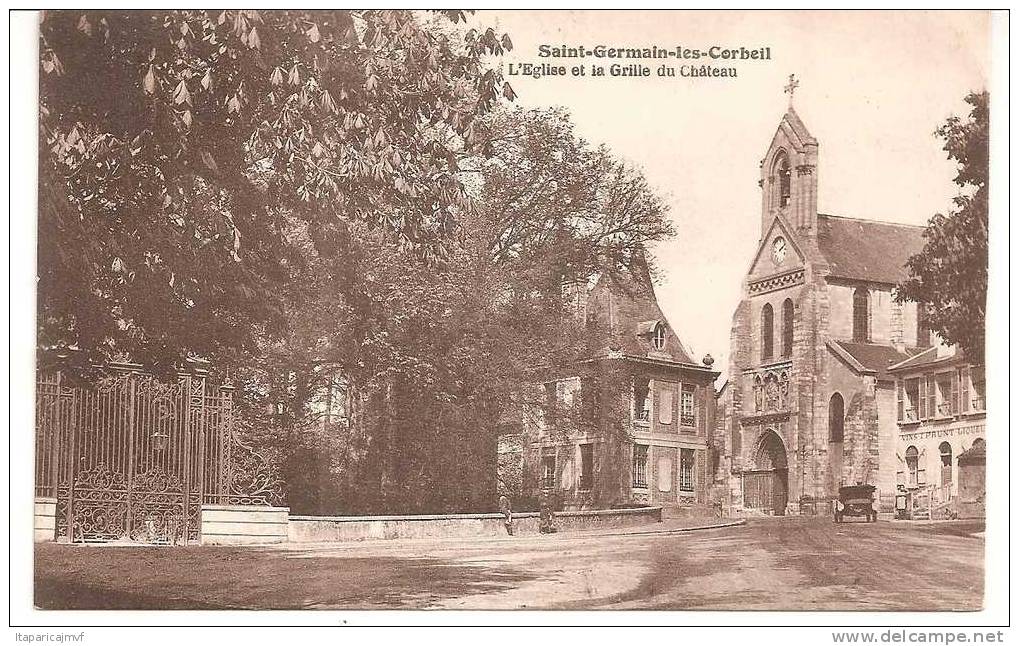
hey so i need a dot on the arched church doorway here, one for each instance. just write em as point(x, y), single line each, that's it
point(766, 487)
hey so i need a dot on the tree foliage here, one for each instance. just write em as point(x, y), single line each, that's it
point(179, 148)
point(308, 198)
point(439, 357)
point(949, 276)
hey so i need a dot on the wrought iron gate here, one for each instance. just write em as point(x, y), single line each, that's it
point(133, 458)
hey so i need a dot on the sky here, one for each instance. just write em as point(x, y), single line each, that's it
point(873, 88)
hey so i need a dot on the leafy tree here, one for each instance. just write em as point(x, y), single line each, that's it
point(949, 276)
point(301, 196)
point(438, 356)
point(178, 149)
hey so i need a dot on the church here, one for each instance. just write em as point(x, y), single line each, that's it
point(810, 403)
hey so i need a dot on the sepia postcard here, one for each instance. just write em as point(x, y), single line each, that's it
point(447, 310)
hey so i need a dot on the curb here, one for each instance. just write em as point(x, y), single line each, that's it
point(674, 530)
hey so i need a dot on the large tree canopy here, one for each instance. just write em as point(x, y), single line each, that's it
point(437, 357)
point(179, 148)
point(309, 198)
point(949, 276)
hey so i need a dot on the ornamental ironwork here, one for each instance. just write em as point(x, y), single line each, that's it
point(130, 457)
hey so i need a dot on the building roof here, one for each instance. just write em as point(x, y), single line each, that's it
point(873, 358)
point(626, 299)
point(929, 358)
point(867, 250)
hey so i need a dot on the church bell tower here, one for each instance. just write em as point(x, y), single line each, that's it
point(789, 175)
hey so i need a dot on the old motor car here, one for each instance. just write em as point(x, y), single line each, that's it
point(855, 500)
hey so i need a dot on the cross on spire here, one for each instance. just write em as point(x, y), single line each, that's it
point(790, 88)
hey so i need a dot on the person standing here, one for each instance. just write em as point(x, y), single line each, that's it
point(507, 512)
point(546, 516)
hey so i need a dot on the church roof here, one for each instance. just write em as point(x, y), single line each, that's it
point(873, 358)
point(867, 249)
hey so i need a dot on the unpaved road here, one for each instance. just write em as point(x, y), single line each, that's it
point(768, 564)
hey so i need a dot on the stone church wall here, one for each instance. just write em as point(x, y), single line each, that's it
point(908, 323)
point(841, 298)
point(881, 316)
point(813, 377)
point(742, 336)
point(861, 438)
point(888, 431)
point(889, 322)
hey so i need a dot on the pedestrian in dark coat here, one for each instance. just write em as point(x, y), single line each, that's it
point(546, 515)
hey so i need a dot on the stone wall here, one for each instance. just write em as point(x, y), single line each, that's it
point(796, 429)
point(243, 524)
point(861, 444)
point(890, 322)
point(888, 430)
point(881, 316)
point(45, 519)
point(840, 298)
point(972, 490)
point(312, 529)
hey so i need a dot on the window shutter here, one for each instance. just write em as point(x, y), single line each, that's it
point(931, 396)
point(921, 414)
point(571, 390)
point(898, 389)
point(664, 474)
point(964, 389)
point(696, 409)
point(954, 393)
point(700, 475)
point(665, 407)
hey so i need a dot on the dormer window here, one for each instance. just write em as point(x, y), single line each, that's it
point(658, 338)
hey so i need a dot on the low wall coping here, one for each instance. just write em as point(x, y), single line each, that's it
point(525, 514)
point(245, 508)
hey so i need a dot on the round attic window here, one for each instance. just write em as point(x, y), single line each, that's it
point(658, 339)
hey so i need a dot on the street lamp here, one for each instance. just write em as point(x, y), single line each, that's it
point(160, 440)
point(164, 411)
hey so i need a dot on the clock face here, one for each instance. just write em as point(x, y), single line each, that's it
point(778, 249)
